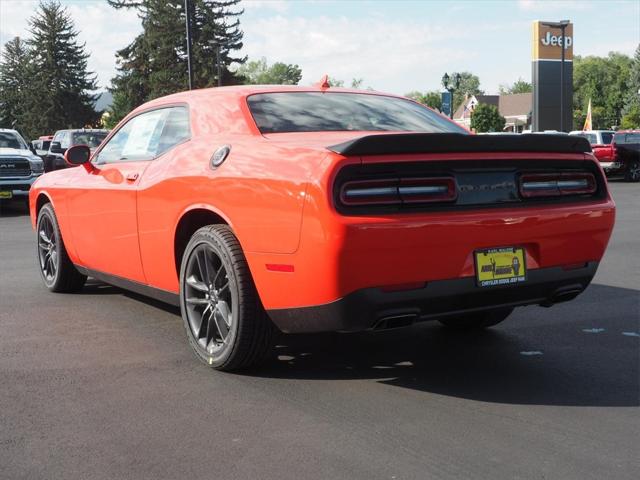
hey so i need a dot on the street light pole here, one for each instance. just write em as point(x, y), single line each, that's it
point(451, 87)
point(187, 17)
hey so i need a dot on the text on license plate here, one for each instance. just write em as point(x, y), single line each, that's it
point(6, 194)
point(500, 266)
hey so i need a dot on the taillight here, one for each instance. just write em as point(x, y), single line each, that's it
point(557, 184)
point(397, 191)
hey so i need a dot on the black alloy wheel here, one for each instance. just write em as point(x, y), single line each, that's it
point(47, 250)
point(57, 270)
point(208, 300)
point(225, 322)
point(633, 172)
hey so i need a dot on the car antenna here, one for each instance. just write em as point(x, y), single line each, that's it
point(324, 82)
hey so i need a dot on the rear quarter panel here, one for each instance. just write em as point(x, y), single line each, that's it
point(259, 191)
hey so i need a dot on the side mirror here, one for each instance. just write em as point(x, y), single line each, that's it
point(77, 155)
point(55, 147)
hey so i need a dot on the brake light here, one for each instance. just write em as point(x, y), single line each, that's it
point(396, 191)
point(557, 184)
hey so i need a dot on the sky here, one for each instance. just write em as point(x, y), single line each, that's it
point(394, 46)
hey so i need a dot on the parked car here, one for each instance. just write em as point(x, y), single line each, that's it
point(600, 141)
point(63, 139)
point(626, 155)
point(41, 145)
point(19, 165)
point(311, 209)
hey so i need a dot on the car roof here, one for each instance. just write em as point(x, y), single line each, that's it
point(576, 132)
point(237, 91)
point(82, 130)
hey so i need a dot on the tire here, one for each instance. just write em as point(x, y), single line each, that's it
point(633, 172)
point(476, 321)
point(223, 316)
point(57, 271)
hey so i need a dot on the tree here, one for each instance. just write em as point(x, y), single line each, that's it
point(631, 111)
point(155, 63)
point(519, 86)
point(631, 119)
point(355, 83)
point(604, 80)
point(469, 85)
point(432, 99)
point(259, 72)
point(487, 118)
point(59, 94)
point(14, 84)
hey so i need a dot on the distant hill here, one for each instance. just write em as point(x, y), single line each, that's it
point(104, 101)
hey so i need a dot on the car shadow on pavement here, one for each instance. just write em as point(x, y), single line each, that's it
point(539, 357)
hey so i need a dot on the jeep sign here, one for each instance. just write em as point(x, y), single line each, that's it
point(554, 40)
point(548, 42)
point(547, 74)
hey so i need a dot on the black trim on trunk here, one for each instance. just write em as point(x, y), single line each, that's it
point(406, 143)
point(148, 291)
point(369, 308)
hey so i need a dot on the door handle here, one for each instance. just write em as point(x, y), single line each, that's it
point(132, 177)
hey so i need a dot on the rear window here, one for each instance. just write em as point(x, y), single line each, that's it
point(323, 112)
point(622, 138)
point(592, 138)
point(606, 138)
point(91, 139)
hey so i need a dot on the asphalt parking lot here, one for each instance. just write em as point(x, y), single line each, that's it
point(102, 385)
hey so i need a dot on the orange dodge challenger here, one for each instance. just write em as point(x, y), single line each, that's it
point(309, 209)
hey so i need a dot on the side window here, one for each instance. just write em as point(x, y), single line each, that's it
point(138, 139)
point(58, 137)
point(176, 129)
point(65, 140)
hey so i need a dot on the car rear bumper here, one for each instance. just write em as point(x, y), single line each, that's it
point(375, 308)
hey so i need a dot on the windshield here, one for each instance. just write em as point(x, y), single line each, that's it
point(328, 112)
point(622, 138)
point(91, 139)
point(11, 140)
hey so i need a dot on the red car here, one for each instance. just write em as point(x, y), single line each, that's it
point(309, 209)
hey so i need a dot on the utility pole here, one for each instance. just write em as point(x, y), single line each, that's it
point(187, 17)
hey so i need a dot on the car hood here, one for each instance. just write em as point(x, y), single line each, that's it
point(14, 152)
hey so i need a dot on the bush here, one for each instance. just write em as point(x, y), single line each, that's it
point(487, 118)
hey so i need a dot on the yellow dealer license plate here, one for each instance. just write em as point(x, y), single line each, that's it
point(6, 194)
point(500, 266)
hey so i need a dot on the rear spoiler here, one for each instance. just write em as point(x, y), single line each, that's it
point(399, 143)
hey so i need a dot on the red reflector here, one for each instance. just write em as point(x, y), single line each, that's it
point(403, 286)
point(279, 267)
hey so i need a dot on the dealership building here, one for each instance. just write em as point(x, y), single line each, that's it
point(516, 108)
